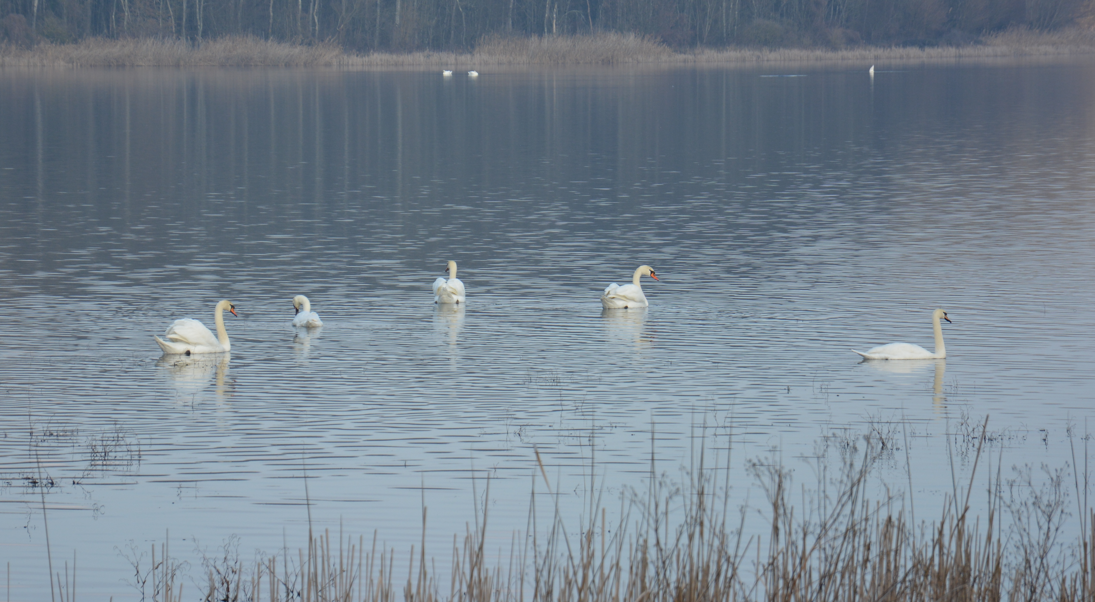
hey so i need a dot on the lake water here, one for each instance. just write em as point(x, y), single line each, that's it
point(790, 219)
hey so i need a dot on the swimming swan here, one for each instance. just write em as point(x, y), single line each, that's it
point(305, 316)
point(905, 351)
point(628, 295)
point(191, 337)
point(450, 290)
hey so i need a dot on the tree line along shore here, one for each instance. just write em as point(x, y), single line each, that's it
point(598, 49)
point(430, 32)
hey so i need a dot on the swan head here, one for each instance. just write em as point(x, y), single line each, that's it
point(647, 271)
point(941, 314)
point(298, 302)
point(226, 304)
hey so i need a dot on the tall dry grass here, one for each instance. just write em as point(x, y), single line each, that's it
point(598, 49)
point(602, 49)
point(687, 543)
point(237, 51)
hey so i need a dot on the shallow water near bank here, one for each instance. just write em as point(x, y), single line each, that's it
point(790, 219)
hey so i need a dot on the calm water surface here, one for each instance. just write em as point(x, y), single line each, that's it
point(790, 219)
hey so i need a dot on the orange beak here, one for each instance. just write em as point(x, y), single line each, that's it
point(653, 276)
point(948, 320)
point(233, 310)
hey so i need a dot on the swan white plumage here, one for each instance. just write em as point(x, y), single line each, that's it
point(190, 337)
point(905, 351)
point(628, 295)
point(473, 73)
point(447, 73)
point(305, 317)
point(871, 71)
point(450, 290)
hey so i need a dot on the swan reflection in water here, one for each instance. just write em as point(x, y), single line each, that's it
point(916, 367)
point(302, 341)
point(625, 327)
point(448, 321)
point(191, 374)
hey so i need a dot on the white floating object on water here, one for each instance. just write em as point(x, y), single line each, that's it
point(448, 290)
point(191, 337)
point(305, 317)
point(473, 73)
point(905, 351)
point(871, 71)
point(447, 73)
point(628, 295)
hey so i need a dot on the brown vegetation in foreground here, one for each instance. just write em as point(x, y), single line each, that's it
point(600, 49)
point(684, 542)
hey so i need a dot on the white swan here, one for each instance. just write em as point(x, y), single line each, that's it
point(305, 316)
point(905, 351)
point(473, 73)
point(447, 73)
point(449, 290)
point(628, 295)
point(191, 337)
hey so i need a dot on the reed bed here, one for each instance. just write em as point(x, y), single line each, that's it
point(687, 542)
point(600, 49)
point(237, 51)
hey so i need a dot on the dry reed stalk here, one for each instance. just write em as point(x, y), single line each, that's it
point(233, 51)
point(607, 48)
point(840, 546)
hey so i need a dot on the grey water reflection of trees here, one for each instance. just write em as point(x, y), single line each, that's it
point(134, 171)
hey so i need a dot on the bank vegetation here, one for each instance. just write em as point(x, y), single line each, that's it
point(599, 49)
point(326, 31)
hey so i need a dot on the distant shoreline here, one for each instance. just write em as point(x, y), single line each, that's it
point(598, 50)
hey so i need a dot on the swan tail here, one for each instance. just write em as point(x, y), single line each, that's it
point(437, 284)
point(861, 353)
point(164, 345)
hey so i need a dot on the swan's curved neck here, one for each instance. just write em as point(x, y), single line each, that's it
point(637, 277)
point(452, 270)
point(306, 305)
point(222, 334)
point(940, 348)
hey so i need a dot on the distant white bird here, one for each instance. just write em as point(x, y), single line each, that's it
point(190, 337)
point(905, 351)
point(628, 295)
point(305, 316)
point(449, 290)
point(473, 73)
point(871, 71)
point(447, 73)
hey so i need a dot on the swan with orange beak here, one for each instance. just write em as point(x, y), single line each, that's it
point(628, 295)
